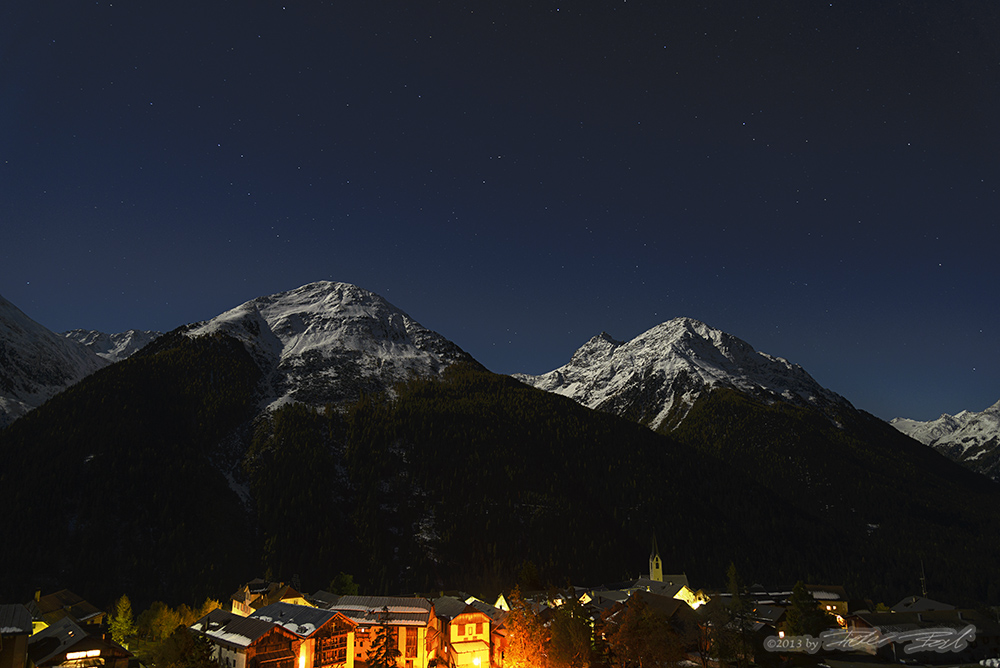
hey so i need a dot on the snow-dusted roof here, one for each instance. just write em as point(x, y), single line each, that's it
point(403, 611)
point(302, 620)
point(14, 620)
point(827, 592)
point(48, 645)
point(232, 630)
point(394, 603)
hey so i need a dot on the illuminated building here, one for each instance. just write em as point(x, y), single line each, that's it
point(15, 627)
point(326, 636)
point(242, 642)
point(410, 620)
point(64, 644)
point(258, 593)
point(49, 609)
point(470, 631)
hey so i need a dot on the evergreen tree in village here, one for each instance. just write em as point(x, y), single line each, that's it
point(122, 624)
point(384, 651)
point(803, 616)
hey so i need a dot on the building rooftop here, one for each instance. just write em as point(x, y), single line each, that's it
point(66, 635)
point(302, 620)
point(231, 629)
point(920, 604)
point(14, 620)
point(63, 603)
point(403, 611)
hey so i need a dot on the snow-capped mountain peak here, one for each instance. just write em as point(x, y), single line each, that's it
point(658, 374)
point(327, 342)
point(595, 351)
point(968, 437)
point(112, 347)
point(36, 363)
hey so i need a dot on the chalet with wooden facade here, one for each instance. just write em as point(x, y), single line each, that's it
point(326, 636)
point(411, 622)
point(471, 632)
point(244, 642)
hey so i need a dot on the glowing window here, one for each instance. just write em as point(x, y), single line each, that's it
point(89, 654)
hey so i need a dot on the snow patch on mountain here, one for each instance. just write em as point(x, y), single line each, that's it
point(36, 363)
point(967, 437)
point(328, 342)
point(657, 376)
point(112, 347)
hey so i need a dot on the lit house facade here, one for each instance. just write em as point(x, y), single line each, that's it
point(410, 620)
point(259, 593)
point(240, 642)
point(469, 638)
point(64, 644)
point(63, 604)
point(326, 637)
point(472, 632)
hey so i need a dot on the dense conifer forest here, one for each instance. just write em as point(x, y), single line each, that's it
point(900, 502)
point(110, 485)
point(158, 476)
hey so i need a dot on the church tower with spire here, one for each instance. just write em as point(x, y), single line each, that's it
point(655, 564)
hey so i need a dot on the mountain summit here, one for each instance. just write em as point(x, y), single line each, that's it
point(113, 347)
point(967, 437)
point(656, 377)
point(36, 363)
point(330, 342)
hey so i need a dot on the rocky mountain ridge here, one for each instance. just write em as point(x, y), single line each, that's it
point(113, 347)
point(656, 377)
point(463, 471)
point(321, 343)
point(968, 437)
point(329, 342)
point(35, 363)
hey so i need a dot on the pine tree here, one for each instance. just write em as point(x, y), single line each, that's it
point(803, 616)
point(384, 650)
point(122, 625)
point(739, 613)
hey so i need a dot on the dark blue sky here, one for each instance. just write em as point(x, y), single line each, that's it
point(820, 179)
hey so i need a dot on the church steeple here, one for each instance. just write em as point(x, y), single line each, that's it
point(655, 564)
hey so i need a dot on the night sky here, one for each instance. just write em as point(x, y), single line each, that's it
point(820, 179)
